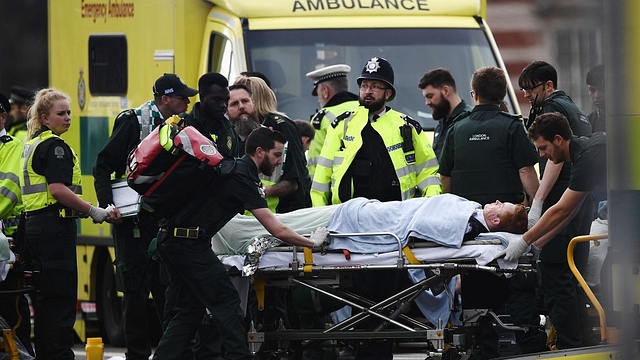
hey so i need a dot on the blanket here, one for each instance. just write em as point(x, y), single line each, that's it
point(440, 219)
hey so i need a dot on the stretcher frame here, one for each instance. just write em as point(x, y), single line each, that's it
point(391, 311)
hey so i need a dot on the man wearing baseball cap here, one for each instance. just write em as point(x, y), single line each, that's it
point(331, 86)
point(137, 273)
point(14, 309)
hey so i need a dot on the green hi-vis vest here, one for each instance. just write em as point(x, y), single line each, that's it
point(35, 190)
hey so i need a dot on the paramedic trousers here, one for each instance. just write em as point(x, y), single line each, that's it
point(198, 280)
point(137, 274)
point(51, 242)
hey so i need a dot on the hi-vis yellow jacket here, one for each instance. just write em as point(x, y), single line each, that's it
point(11, 201)
point(35, 190)
point(416, 169)
point(321, 121)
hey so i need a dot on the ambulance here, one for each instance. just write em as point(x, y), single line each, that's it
point(107, 54)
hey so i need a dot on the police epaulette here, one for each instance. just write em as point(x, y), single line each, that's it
point(409, 121)
point(316, 120)
point(5, 138)
point(341, 117)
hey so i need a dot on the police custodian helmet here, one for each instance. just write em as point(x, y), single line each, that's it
point(378, 69)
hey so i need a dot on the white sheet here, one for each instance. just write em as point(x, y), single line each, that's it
point(483, 254)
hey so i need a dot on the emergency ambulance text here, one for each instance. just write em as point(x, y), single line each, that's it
point(112, 8)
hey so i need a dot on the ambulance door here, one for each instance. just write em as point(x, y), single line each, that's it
point(223, 47)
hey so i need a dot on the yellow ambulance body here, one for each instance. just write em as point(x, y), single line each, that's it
point(106, 54)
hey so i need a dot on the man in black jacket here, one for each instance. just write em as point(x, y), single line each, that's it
point(137, 273)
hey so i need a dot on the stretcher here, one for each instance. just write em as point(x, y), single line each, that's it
point(330, 273)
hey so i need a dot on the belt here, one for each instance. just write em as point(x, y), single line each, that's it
point(188, 233)
point(53, 211)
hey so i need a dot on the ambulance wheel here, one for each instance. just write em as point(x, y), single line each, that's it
point(110, 306)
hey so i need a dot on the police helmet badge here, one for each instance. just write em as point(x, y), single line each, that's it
point(372, 65)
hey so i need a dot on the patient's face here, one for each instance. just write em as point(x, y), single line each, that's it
point(498, 209)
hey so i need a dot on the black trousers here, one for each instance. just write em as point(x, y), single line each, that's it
point(51, 242)
point(137, 275)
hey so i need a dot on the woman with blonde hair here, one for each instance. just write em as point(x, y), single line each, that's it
point(287, 190)
point(51, 188)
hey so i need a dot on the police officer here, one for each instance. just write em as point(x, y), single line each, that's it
point(487, 156)
point(331, 86)
point(538, 82)
point(51, 188)
point(199, 281)
point(375, 152)
point(20, 100)
point(440, 93)
point(137, 273)
point(12, 307)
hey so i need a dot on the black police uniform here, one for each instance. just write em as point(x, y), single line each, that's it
point(198, 278)
point(483, 154)
point(563, 300)
point(441, 130)
point(137, 273)
point(51, 243)
point(295, 164)
point(221, 132)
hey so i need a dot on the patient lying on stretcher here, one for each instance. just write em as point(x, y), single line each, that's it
point(444, 219)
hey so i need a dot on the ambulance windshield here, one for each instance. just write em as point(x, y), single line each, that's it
point(285, 56)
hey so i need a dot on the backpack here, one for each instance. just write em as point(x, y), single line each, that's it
point(171, 164)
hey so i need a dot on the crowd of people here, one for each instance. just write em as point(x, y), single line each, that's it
point(356, 145)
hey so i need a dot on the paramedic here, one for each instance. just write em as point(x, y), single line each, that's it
point(331, 86)
point(552, 136)
point(138, 273)
point(21, 98)
point(208, 115)
point(240, 112)
point(198, 280)
point(288, 188)
point(375, 152)
point(439, 89)
point(487, 155)
point(12, 306)
point(538, 82)
point(307, 133)
point(51, 188)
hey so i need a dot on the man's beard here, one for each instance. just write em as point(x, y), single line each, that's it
point(265, 167)
point(374, 106)
point(441, 110)
point(245, 124)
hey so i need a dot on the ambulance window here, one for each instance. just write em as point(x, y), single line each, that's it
point(108, 65)
point(285, 56)
point(220, 57)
